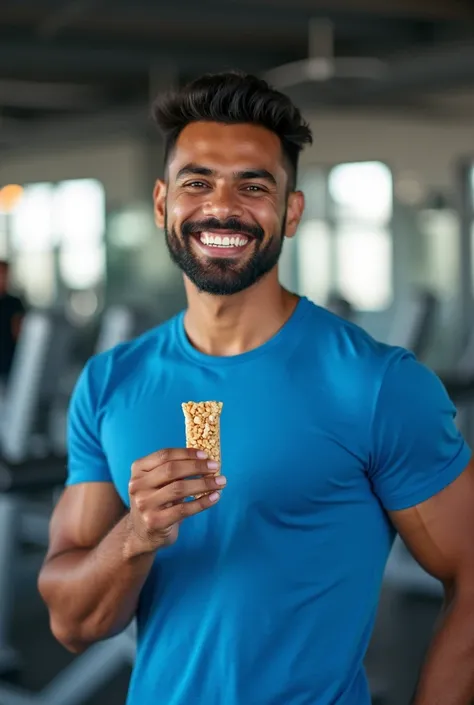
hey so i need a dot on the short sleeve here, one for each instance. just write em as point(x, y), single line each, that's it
point(416, 448)
point(86, 458)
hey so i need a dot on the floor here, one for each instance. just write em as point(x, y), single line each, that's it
point(400, 638)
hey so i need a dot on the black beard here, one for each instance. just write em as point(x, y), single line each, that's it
point(221, 276)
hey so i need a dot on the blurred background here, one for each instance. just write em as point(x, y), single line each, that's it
point(387, 241)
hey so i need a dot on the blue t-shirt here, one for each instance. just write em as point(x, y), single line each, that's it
point(269, 597)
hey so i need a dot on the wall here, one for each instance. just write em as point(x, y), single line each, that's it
point(118, 164)
point(427, 146)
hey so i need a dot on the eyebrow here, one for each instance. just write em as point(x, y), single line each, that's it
point(247, 174)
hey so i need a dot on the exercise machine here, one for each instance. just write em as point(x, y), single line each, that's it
point(30, 465)
point(414, 322)
point(117, 326)
point(28, 461)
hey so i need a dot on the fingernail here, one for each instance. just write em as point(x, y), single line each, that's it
point(202, 454)
point(220, 480)
point(213, 465)
point(214, 497)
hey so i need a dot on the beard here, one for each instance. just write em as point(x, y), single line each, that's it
point(219, 275)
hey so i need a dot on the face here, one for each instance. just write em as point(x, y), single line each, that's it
point(225, 206)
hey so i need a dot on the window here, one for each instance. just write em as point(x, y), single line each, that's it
point(441, 250)
point(82, 268)
point(314, 260)
point(79, 212)
point(362, 192)
point(31, 221)
point(345, 241)
point(364, 260)
point(4, 244)
point(34, 273)
point(79, 220)
point(56, 227)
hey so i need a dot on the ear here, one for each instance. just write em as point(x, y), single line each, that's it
point(159, 203)
point(294, 212)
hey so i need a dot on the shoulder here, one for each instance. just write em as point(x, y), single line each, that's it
point(346, 350)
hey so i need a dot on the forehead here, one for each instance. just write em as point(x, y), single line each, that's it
point(228, 147)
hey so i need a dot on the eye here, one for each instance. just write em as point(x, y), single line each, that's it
point(253, 188)
point(195, 184)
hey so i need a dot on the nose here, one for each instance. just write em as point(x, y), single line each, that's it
point(222, 203)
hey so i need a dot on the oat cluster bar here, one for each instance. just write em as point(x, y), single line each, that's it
point(203, 426)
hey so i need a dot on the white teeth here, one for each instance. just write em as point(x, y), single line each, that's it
point(218, 241)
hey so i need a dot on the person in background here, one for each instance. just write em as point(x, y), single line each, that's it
point(12, 311)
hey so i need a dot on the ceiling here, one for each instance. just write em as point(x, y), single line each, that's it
point(70, 58)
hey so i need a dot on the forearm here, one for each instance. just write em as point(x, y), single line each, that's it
point(93, 594)
point(447, 677)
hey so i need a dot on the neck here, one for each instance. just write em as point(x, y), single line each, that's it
point(232, 325)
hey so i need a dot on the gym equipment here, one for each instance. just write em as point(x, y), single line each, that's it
point(88, 672)
point(405, 574)
point(460, 387)
point(28, 463)
point(117, 326)
point(82, 678)
point(414, 321)
point(20, 521)
point(41, 356)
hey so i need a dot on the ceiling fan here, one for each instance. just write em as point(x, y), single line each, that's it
point(322, 66)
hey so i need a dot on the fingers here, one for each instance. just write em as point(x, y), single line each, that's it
point(162, 457)
point(146, 501)
point(164, 518)
point(170, 473)
point(182, 489)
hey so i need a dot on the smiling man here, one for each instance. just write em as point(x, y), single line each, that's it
point(238, 250)
point(262, 592)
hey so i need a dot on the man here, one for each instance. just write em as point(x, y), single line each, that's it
point(263, 592)
point(11, 315)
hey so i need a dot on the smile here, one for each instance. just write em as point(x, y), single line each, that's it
point(225, 244)
point(230, 240)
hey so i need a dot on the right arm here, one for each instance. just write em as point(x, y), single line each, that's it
point(90, 580)
point(100, 554)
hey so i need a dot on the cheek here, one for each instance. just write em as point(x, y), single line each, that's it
point(182, 208)
point(265, 213)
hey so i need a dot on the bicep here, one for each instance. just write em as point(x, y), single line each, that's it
point(439, 532)
point(85, 513)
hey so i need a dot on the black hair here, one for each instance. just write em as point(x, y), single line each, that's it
point(4, 264)
point(230, 98)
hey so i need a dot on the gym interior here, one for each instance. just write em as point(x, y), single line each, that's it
point(386, 240)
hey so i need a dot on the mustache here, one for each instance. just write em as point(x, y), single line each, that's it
point(191, 227)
